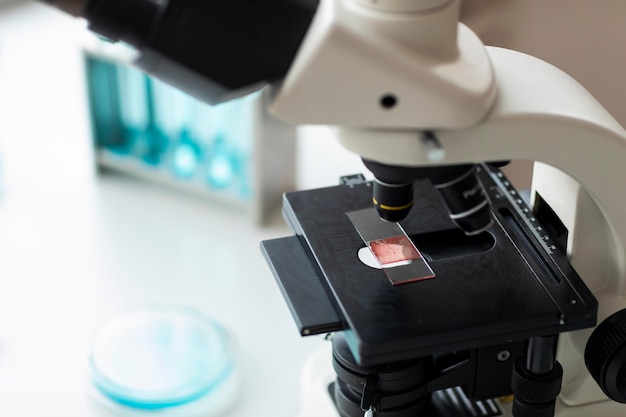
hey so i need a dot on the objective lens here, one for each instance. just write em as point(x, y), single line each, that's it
point(466, 200)
point(393, 201)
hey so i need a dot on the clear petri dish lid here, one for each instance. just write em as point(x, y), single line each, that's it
point(160, 357)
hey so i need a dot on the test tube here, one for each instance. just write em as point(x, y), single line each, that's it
point(134, 112)
point(104, 102)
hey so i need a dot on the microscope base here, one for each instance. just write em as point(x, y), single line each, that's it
point(318, 374)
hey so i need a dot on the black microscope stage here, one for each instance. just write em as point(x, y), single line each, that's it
point(506, 284)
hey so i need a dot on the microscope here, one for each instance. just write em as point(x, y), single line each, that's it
point(445, 292)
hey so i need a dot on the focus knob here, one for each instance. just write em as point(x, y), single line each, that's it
point(605, 356)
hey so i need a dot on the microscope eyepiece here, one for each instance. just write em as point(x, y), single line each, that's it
point(213, 50)
point(129, 21)
point(74, 7)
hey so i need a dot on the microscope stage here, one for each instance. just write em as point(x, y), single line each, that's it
point(506, 284)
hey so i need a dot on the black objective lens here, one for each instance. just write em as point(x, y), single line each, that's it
point(393, 201)
point(465, 198)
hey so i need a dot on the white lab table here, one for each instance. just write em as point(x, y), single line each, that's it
point(77, 248)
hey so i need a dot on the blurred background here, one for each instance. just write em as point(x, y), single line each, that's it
point(79, 246)
point(163, 208)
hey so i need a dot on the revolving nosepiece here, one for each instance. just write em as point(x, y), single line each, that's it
point(461, 191)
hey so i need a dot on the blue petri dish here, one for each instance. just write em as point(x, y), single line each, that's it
point(162, 359)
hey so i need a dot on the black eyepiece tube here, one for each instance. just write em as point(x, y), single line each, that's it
point(74, 7)
point(129, 21)
point(214, 50)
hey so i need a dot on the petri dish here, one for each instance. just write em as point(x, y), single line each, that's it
point(167, 360)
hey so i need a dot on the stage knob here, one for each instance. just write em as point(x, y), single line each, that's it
point(605, 356)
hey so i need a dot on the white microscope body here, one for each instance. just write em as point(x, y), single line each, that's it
point(398, 67)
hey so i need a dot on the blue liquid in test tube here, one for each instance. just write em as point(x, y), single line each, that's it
point(232, 147)
point(186, 150)
point(134, 109)
point(104, 101)
point(173, 111)
point(157, 138)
